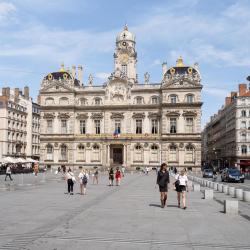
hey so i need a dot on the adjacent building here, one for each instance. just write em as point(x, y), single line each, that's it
point(122, 121)
point(16, 127)
point(226, 138)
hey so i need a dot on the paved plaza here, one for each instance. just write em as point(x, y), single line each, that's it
point(40, 216)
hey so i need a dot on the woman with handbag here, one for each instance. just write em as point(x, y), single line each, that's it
point(70, 181)
point(162, 181)
point(181, 188)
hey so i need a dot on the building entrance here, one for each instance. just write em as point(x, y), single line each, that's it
point(116, 155)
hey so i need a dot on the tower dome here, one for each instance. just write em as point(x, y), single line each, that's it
point(125, 35)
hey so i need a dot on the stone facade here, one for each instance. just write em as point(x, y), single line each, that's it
point(226, 138)
point(17, 124)
point(122, 121)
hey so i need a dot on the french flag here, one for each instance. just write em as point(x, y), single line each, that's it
point(116, 133)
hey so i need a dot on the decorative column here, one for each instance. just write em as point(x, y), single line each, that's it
point(124, 154)
point(108, 155)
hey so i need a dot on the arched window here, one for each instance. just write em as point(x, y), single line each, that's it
point(154, 153)
point(49, 152)
point(98, 101)
point(172, 153)
point(125, 69)
point(139, 100)
point(243, 137)
point(96, 153)
point(189, 153)
point(63, 101)
point(49, 101)
point(138, 153)
point(244, 149)
point(190, 98)
point(64, 153)
point(81, 152)
point(243, 113)
point(173, 98)
point(83, 102)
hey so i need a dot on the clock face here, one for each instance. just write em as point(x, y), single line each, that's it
point(124, 58)
point(124, 44)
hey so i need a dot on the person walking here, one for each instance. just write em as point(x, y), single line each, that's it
point(8, 173)
point(111, 177)
point(70, 181)
point(181, 188)
point(95, 177)
point(162, 181)
point(118, 177)
point(84, 177)
point(36, 169)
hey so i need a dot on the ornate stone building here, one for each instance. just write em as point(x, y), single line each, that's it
point(122, 121)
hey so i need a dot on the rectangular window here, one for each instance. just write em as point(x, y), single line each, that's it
point(154, 126)
point(138, 126)
point(189, 125)
point(82, 127)
point(243, 124)
point(97, 127)
point(124, 69)
point(117, 126)
point(173, 125)
point(64, 126)
point(49, 127)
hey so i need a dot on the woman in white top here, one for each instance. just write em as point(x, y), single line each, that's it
point(84, 177)
point(181, 187)
point(70, 181)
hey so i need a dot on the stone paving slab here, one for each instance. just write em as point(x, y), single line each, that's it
point(125, 217)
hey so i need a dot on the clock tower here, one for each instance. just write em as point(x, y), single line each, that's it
point(125, 56)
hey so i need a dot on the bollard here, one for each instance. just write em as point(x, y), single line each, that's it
point(239, 193)
point(196, 187)
point(216, 186)
point(246, 195)
point(212, 185)
point(225, 189)
point(220, 187)
point(208, 194)
point(231, 207)
point(232, 191)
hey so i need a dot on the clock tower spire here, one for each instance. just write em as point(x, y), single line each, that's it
point(125, 56)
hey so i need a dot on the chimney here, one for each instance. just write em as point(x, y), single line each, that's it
point(164, 68)
point(227, 100)
point(26, 92)
point(233, 95)
point(16, 93)
point(80, 74)
point(4, 92)
point(8, 91)
point(242, 89)
point(73, 71)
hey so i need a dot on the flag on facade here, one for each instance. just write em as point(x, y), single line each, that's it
point(116, 133)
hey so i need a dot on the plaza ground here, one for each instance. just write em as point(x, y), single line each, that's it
point(36, 214)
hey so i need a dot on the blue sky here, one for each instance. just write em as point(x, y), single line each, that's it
point(37, 35)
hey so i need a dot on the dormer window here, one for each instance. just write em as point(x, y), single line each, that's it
point(139, 100)
point(155, 100)
point(190, 98)
point(173, 98)
point(97, 101)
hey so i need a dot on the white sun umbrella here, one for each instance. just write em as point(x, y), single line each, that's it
point(30, 160)
point(20, 160)
point(9, 159)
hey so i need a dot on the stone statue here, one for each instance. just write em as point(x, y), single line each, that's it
point(146, 78)
point(117, 72)
point(91, 80)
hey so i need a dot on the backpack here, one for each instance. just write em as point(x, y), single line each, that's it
point(84, 179)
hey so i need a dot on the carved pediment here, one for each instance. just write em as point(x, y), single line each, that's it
point(154, 115)
point(56, 85)
point(63, 115)
point(49, 115)
point(189, 113)
point(117, 116)
point(140, 115)
point(173, 113)
point(96, 116)
point(82, 116)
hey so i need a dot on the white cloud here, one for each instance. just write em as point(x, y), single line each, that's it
point(102, 75)
point(6, 9)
